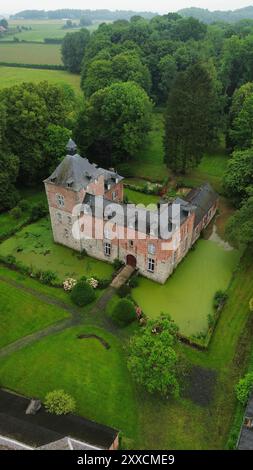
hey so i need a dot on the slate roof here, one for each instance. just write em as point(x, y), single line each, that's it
point(77, 172)
point(203, 198)
point(44, 429)
point(245, 441)
point(144, 216)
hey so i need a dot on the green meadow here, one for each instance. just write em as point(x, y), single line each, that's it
point(26, 53)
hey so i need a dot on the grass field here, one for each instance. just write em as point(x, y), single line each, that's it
point(41, 29)
point(22, 53)
point(95, 376)
point(21, 314)
point(39, 252)
point(8, 222)
point(15, 75)
point(188, 295)
point(136, 197)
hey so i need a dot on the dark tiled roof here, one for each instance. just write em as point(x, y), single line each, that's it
point(144, 216)
point(246, 435)
point(203, 198)
point(44, 428)
point(77, 172)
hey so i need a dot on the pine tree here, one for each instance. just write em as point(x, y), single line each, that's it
point(190, 118)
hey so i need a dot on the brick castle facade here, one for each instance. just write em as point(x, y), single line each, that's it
point(77, 181)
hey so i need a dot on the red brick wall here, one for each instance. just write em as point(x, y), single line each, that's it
point(71, 198)
point(118, 188)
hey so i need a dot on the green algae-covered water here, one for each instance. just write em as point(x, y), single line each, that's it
point(188, 295)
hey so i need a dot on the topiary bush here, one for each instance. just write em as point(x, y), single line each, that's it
point(117, 264)
point(104, 283)
point(124, 290)
point(24, 205)
point(82, 294)
point(244, 388)
point(124, 312)
point(59, 402)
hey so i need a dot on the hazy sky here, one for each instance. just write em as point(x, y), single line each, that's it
point(160, 6)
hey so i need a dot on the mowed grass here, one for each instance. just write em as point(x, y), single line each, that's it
point(22, 53)
point(211, 168)
point(8, 222)
point(188, 295)
point(95, 376)
point(21, 314)
point(136, 197)
point(34, 247)
point(11, 76)
point(148, 163)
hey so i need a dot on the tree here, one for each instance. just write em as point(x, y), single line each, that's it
point(55, 144)
point(59, 402)
point(30, 108)
point(124, 312)
point(167, 69)
point(153, 359)
point(4, 23)
point(123, 67)
point(238, 176)
point(82, 294)
point(190, 117)
point(114, 123)
point(73, 49)
point(9, 166)
point(243, 388)
point(239, 229)
point(85, 21)
point(241, 132)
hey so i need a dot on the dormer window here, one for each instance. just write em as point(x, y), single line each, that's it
point(108, 187)
point(53, 179)
point(60, 200)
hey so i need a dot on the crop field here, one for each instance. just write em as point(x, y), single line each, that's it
point(38, 30)
point(23, 53)
point(11, 76)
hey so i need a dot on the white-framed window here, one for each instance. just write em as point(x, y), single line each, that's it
point(107, 248)
point(174, 258)
point(151, 265)
point(59, 217)
point(131, 243)
point(114, 195)
point(69, 220)
point(66, 233)
point(60, 200)
point(151, 249)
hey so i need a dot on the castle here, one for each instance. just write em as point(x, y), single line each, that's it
point(77, 181)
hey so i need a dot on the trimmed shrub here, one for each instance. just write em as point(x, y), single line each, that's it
point(104, 283)
point(124, 290)
point(16, 212)
point(59, 402)
point(244, 388)
point(47, 277)
point(38, 211)
point(124, 312)
point(82, 294)
point(117, 264)
point(133, 282)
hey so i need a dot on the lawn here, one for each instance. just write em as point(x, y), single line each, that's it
point(11, 76)
point(136, 197)
point(211, 168)
point(49, 54)
point(188, 295)
point(8, 222)
point(21, 314)
point(95, 376)
point(34, 247)
point(148, 163)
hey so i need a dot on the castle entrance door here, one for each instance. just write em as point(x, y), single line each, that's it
point(131, 261)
